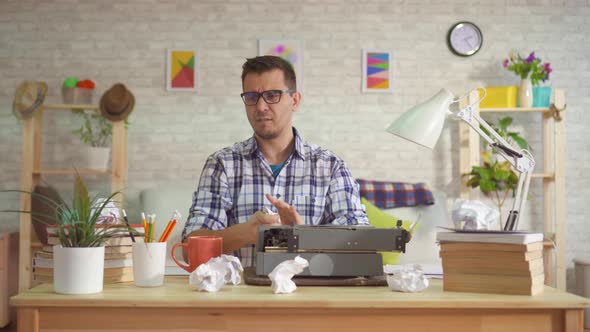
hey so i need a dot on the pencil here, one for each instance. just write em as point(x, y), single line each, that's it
point(153, 230)
point(146, 228)
point(149, 232)
point(163, 236)
point(170, 224)
point(127, 223)
point(169, 231)
point(144, 222)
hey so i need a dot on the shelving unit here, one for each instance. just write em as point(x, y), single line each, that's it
point(552, 172)
point(31, 172)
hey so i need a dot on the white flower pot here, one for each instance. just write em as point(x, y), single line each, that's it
point(78, 270)
point(98, 158)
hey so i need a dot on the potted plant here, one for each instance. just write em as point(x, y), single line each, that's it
point(95, 131)
point(531, 71)
point(79, 258)
point(495, 177)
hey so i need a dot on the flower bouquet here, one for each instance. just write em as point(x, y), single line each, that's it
point(530, 67)
point(532, 71)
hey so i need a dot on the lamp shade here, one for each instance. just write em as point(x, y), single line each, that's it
point(423, 123)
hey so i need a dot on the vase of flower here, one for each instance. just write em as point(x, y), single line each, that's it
point(531, 71)
point(525, 93)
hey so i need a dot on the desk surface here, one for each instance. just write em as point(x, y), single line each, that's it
point(176, 293)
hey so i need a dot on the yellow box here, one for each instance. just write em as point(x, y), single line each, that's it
point(499, 97)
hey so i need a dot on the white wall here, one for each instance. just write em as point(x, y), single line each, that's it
point(171, 133)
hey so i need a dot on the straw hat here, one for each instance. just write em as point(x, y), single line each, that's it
point(29, 97)
point(117, 103)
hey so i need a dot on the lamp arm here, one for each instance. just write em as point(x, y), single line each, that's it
point(475, 121)
point(522, 161)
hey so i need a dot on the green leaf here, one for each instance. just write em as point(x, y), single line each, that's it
point(522, 143)
point(504, 166)
point(501, 175)
point(513, 178)
point(487, 185)
point(484, 173)
point(81, 202)
point(503, 123)
point(473, 182)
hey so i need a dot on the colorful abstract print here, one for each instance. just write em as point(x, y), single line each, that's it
point(378, 71)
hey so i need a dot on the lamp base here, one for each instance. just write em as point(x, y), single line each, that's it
point(511, 222)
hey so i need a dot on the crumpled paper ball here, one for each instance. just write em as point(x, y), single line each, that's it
point(282, 274)
point(408, 278)
point(474, 215)
point(217, 272)
point(268, 211)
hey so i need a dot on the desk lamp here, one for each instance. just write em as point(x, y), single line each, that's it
point(423, 123)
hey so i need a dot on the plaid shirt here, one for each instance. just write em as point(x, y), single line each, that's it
point(234, 180)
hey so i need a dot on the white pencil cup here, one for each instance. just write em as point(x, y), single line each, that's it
point(149, 262)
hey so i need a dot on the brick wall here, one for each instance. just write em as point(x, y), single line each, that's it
point(171, 133)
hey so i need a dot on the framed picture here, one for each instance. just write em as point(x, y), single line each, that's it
point(182, 70)
point(288, 49)
point(377, 71)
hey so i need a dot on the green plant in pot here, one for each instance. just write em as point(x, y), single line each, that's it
point(78, 262)
point(96, 131)
point(495, 177)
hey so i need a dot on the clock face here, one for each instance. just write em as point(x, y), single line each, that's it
point(465, 39)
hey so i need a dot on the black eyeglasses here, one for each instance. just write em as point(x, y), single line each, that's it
point(269, 96)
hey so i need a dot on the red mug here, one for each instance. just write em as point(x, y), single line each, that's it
point(200, 250)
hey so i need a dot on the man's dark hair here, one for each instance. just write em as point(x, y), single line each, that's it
point(266, 63)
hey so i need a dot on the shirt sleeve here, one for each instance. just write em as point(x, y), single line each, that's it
point(343, 203)
point(210, 201)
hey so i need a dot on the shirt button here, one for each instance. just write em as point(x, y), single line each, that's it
point(313, 200)
point(278, 195)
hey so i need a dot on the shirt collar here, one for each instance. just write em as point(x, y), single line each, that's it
point(298, 145)
point(251, 146)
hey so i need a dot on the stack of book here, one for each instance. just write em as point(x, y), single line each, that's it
point(118, 265)
point(500, 263)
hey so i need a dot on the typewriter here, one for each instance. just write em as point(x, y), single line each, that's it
point(332, 251)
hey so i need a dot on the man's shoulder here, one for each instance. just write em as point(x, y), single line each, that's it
point(237, 150)
point(315, 152)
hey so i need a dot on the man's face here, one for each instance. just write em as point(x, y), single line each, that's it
point(270, 120)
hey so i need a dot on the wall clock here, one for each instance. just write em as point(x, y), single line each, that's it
point(464, 39)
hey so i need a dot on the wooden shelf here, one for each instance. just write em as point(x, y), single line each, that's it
point(58, 171)
point(32, 171)
point(68, 107)
point(516, 109)
point(542, 175)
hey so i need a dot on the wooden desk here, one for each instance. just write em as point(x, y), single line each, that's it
point(174, 307)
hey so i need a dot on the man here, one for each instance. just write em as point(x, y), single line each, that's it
point(273, 170)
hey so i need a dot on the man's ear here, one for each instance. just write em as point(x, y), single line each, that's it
point(296, 100)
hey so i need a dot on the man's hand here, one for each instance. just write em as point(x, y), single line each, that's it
point(258, 219)
point(288, 213)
